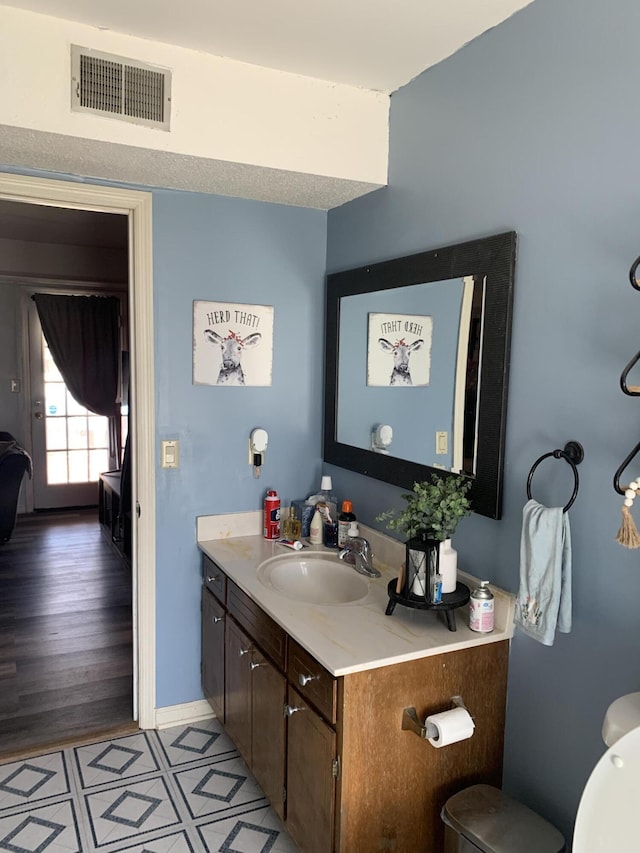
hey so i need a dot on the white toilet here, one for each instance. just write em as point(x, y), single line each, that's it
point(607, 818)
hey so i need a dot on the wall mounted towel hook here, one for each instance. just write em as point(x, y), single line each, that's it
point(631, 390)
point(573, 453)
point(616, 479)
point(633, 274)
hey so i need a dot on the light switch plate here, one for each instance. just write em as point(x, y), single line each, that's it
point(170, 454)
point(442, 442)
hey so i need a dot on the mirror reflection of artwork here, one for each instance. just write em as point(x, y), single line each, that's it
point(399, 350)
point(232, 344)
point(456, 422)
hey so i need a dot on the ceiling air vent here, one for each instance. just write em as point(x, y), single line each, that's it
point(120, 88)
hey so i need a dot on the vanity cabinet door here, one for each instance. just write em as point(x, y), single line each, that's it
point(238, 688)
point(213, 618)
point(311, 783)
point(268, 696)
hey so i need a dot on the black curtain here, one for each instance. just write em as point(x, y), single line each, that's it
point(83, 334)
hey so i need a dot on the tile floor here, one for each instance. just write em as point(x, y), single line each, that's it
point(180, 789)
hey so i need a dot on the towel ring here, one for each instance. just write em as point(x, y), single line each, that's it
point(573, 454)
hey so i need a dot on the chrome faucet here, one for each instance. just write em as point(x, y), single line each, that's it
point(357, 552)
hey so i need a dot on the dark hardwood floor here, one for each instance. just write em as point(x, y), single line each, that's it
point(66, 660)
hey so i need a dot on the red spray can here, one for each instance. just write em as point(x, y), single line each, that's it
point(272, 515)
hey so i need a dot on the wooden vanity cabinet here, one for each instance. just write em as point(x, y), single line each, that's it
point(237, 688)
point(259, 692)
point(354, 779)
point(243, 662)
point(312, 770)
point(212, 666)
point(214, 590)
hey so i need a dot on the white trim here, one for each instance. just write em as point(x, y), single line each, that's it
point(137, 205)
point(182, 715)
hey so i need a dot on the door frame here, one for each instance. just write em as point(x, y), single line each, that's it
point(137, 205)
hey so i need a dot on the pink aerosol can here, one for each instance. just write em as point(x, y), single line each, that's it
point(481, 609)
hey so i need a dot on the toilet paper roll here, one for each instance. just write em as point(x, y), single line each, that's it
point(452, 726)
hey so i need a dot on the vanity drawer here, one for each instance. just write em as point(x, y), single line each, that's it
point(271, 638)
point(214, 579)
point(312, 681)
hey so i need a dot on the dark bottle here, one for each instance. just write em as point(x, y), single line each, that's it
point(344, 520)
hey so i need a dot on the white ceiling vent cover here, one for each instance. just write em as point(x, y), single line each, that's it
point(120, 88)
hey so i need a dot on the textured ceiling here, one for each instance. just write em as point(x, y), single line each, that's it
point(373, 44)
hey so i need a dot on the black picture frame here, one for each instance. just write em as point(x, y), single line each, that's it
point(493, 258)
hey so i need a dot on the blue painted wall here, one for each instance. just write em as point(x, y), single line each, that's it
point(228, 250)
point(534, 127)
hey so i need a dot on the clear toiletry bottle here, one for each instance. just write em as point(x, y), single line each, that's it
point(327, 497)
point(344, 521)
point(292, 527)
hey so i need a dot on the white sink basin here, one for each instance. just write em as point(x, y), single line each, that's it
point(314, 577)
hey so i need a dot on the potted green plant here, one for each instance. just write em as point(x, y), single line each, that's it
point(430, 518)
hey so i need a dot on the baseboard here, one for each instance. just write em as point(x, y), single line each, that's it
point(180, 715)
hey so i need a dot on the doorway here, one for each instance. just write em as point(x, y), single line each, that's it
point(70, 445)
point(137, 207)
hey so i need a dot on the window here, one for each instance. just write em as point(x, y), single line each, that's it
point(77, 440)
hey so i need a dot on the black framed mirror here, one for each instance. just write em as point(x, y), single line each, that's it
point(420, 345)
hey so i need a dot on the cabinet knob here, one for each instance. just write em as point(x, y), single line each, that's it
point(217, 619)
point(288, 710)
point(213, 578)
point(305, 679)
point(244, 652)
point(254, 665)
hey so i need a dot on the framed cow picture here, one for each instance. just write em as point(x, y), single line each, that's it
point(399, 350)
point(232, 344)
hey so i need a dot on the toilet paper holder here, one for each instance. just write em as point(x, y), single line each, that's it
point(411, 723)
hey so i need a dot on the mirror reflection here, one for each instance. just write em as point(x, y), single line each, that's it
point(417, 348)
point(416, 366)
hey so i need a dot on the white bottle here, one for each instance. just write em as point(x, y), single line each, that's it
point(448, 566)
point(354, 530)
point(316, 529)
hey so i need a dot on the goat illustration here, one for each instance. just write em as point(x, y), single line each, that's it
point(231, 372)
point(401, 350)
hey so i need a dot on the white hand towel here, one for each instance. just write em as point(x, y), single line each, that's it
point(544, 598)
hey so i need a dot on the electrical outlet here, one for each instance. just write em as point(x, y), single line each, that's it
point(442, 442)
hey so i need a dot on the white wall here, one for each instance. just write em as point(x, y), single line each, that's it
point(221, 109)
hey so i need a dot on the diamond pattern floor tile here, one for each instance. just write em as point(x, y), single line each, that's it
point(180, 790)
point(47, 829)
point(223, 787)
point(124, 758)
point(204, 740)
point(29, 781)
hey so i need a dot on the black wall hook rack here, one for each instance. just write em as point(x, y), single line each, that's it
point(630, 390)
point(573, 453)
point(616, 479)
point(633, 274)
